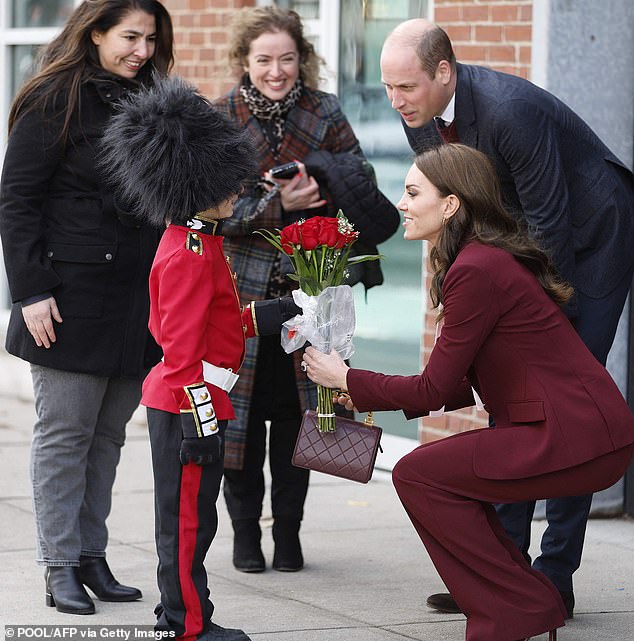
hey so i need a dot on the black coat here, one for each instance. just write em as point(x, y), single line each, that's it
point(572, 191)
point(61, 233)
point(350, 182)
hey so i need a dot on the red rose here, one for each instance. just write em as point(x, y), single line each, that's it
point(346, 238)
point(288, 249)
point(293, 233)
point(341, 241)
point(328, 232)
point(289, 237)
point(351, 237)
point(310, 233)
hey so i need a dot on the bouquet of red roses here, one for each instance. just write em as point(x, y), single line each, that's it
point(319, 250)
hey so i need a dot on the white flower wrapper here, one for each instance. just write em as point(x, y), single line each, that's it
point(327, 322)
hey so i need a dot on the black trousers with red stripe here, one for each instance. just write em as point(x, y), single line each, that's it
point(186, 521)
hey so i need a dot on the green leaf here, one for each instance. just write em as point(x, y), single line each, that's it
point(271, 237)
point(365, 258)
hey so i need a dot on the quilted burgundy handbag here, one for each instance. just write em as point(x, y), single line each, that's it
point(349, 452)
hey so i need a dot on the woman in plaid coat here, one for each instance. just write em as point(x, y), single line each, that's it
point(277, 101)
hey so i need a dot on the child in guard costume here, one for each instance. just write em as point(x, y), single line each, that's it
point(181, 164)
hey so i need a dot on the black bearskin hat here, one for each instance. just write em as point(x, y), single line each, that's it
point(168, 153)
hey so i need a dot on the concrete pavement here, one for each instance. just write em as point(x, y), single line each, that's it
point(366, 576)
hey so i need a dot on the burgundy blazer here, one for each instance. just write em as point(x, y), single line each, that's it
point(555, 406)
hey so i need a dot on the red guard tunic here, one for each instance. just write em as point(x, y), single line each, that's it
point(195, 316)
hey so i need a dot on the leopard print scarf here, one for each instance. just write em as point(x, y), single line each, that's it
point(272, 112)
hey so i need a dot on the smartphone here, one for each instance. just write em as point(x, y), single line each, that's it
point(285, 171)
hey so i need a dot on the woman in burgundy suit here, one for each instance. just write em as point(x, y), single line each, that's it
point(562, 426)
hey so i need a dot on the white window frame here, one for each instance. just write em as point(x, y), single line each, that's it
point(10, 37)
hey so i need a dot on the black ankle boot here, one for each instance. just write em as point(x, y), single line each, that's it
point(65, 592)
point(94, 572)
point(288, 550)
point(247, 553)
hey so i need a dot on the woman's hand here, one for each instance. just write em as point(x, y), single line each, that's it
point(328, 370)
point(39, 317)
point(343, 398)
point(299, 192)
point(296, 198)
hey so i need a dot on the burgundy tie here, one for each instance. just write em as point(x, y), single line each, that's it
point(447, 133)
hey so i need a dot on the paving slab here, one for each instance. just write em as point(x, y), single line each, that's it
point(366, 577)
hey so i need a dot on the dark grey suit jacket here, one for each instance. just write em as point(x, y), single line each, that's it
point(573, 192)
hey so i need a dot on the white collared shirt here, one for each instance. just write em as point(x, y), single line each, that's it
point(449, 113)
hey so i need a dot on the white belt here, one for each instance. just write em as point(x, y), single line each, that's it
point(223, 378)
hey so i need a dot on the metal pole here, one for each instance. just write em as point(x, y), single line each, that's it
point(629, 475)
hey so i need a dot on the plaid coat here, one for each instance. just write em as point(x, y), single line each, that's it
point(315, 122)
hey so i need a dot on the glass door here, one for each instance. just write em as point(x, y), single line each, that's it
point(389, 323)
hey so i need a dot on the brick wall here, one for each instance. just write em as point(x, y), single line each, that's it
point(496, 34)
point(201, 36)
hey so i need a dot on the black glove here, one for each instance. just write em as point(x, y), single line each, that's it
point(270, 314)
point(202, 441)
point(288, 308)
point(201, 451)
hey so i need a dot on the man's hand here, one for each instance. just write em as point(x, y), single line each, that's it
point(39, 318)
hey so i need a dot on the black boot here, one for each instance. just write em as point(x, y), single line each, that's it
point(94, 572)
point(247, 553)
point(288, 550)
point(65, 592)
point(216, 633)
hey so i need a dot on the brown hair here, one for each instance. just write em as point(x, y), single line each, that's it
point(251, 23)
point(470, 176)
point(433, 47)
point(72, 56)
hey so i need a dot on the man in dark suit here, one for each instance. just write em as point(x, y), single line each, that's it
point(573, 193)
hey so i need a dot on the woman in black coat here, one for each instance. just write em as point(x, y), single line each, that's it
point(77, 266)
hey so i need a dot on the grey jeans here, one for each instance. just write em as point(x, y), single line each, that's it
point(77, 441)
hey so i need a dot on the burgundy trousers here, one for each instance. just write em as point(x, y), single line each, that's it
point(503, 598)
